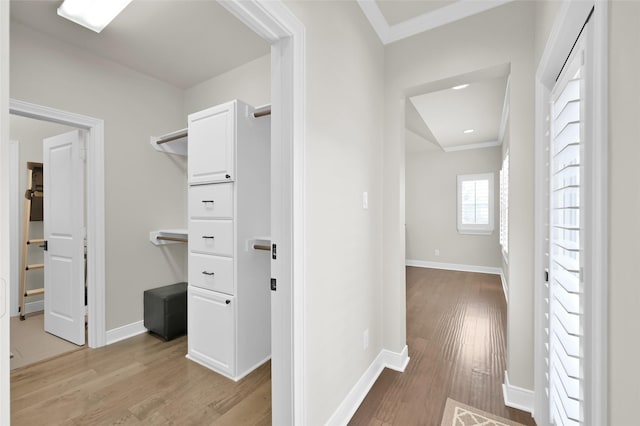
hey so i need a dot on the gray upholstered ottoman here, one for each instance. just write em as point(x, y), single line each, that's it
point(165, 310)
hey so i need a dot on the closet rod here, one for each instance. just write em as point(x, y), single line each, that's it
point(261, 247)
point(178, 239)
point(172, 138)
point(262, 113)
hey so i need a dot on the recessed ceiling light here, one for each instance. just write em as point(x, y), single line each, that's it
point(92, 14)
point(462, 86)
point(469, 131)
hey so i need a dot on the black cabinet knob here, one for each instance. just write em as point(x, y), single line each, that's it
point(227, 176)
point(227, 301)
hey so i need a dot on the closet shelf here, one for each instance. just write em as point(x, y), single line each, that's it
point(168, 236)
point(171, 143)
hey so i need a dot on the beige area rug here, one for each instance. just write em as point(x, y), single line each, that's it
point(459, 414)
point(30, 343)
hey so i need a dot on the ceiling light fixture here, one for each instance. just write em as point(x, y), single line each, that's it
point(462, 86)
point(92, 14)
point(469, 131)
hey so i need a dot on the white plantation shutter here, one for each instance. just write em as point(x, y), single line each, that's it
point(565, 301)
point(475, 203)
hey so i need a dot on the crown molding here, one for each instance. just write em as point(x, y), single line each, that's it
point(471, 146)
point(428, 21)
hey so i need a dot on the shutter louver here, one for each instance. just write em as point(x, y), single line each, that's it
point(565, 375)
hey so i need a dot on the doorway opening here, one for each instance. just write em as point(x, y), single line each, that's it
point(93, 211)
point(35, 331)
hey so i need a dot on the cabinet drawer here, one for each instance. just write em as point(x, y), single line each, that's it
point(211, 237)
point(211, 272)
point(213, 201)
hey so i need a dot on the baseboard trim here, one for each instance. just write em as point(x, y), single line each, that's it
point(505, 286)
point(125, 332)
point(454, 267)
point(385, 359)
point(517, 397)
point(31, 307)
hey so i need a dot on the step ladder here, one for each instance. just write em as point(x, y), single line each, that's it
point(34, 193)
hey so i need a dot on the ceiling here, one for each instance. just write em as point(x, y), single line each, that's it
point(449, 113)
point(181, 42)
point(396, 11)
point(436, 116)
point(185, 42)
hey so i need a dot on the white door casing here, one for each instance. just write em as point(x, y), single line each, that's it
point(63, 161)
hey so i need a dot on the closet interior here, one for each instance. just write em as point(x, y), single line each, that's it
point(227, 236)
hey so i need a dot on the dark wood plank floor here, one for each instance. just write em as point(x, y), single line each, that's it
point(456, 327)
point(142, 380)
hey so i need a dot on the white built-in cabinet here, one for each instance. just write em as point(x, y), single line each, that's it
point(229, 318)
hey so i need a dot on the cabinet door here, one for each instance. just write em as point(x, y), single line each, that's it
point(211, 333)
point(211, 144)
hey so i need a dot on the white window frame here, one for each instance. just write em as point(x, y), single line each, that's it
point(476, 229)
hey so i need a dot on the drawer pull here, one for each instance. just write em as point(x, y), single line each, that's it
point(227, 301)
point(208, 201)
point(208, 237)
point(208, 273)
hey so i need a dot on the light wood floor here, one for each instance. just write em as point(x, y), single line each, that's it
point(142, 380)
point(456, 327)
point(456, 337)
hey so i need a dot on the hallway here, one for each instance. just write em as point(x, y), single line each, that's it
point(456, 328)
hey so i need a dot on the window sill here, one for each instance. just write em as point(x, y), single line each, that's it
point(474, 232)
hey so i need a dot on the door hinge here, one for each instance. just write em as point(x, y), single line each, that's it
point(273, 284)
point(45, 245)
point(546, 275)
point(273, 251)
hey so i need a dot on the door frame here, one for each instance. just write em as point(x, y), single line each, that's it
point(567, 26)
point(276, 24)
point(94, 200)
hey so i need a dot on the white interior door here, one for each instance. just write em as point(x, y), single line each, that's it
point(64, 232)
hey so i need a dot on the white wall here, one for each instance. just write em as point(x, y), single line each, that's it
point(250, 83)
point(431, 207)
point(145, 189)
point(498, 36)
point(343, 158)
point(624, 210)
point(29, 133)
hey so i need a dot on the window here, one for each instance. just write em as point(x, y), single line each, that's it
point(475, 204)
point(504, 205)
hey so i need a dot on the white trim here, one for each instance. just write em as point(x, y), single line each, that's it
point(14, 218)
point(5, 244)
point(95, 206)
point(126, 331)
point(275, 23)
point(506, 107)
point(428, 21)
point(454, 266)
point(32, 307)
point(488, 144)
point(567, 25)
point(385, 359)
point(505, 286)
point(597, 253)
point(517, 397)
